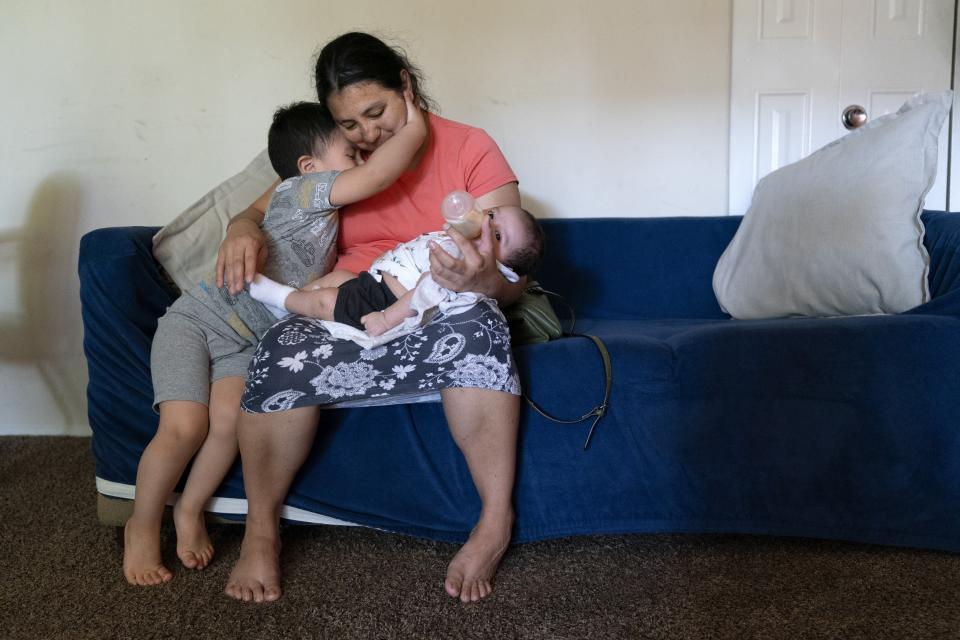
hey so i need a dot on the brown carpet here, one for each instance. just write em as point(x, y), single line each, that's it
point(60, 577)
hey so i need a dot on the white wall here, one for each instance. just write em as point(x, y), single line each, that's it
point(119, 113)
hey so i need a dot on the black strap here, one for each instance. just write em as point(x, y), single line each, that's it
point(600, 410)
point(536, 288)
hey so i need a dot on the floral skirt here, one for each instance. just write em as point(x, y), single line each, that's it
point(298, 363)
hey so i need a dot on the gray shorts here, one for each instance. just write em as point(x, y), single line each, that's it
point(192, 348)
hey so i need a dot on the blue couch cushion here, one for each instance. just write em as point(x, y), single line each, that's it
point(613, 268)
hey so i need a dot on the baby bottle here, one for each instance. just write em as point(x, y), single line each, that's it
point(462, 212)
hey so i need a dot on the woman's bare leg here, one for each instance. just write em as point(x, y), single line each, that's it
point(183, 426)
point(484, 424)
point(210, 465)
point(273, 447)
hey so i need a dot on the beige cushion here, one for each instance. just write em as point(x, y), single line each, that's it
point(187, 247)
point(839, 232)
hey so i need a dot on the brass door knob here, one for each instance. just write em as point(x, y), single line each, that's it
point(853, 116)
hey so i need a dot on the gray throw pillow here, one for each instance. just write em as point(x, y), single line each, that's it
point(839, 232)
point(187, 247)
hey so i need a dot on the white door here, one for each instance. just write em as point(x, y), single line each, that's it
point(797, 64)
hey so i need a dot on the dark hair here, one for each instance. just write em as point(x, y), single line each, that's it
point(524, 259)
point(360, 57)
point(298, 129)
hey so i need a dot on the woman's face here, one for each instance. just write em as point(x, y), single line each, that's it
point(368, 113)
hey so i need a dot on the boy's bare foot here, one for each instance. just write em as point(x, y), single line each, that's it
point(256, 576)
point(193, 543)
point(141, 555)
point(470, 573)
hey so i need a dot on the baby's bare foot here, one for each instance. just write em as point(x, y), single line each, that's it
point(470, 573)
point(141, 555)
point(193, 543)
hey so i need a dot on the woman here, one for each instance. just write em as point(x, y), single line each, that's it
point(361, 79)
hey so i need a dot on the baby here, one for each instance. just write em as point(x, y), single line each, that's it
point(204, 342)
point(398, 294)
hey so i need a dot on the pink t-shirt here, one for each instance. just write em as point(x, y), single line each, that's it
point(457, 157)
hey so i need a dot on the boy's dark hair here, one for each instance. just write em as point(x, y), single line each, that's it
point(298, 129)
point(523, 260)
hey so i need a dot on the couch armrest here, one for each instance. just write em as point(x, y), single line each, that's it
point(122, 293)
point(942, 240)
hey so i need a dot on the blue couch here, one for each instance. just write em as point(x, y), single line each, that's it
point(845, 428)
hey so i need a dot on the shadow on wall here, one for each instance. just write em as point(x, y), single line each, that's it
point(41, 333)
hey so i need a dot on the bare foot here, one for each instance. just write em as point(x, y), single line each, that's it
point(470, 572)
point(193, 544)
point(256, 576)
point(141, 555)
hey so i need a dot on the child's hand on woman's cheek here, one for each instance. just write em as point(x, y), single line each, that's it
point(415, 121)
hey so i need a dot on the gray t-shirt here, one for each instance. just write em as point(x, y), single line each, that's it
point(301, 229)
